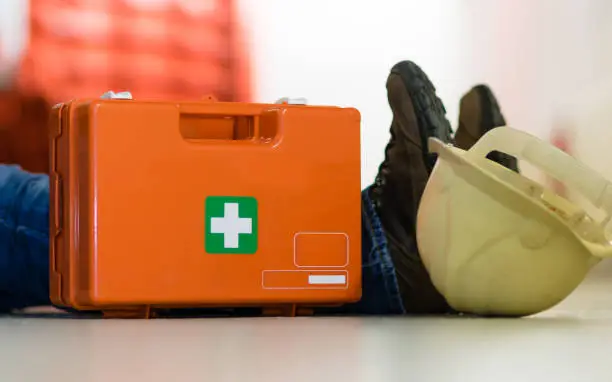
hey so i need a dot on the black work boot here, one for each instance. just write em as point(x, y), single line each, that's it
point(479, 112)
point(418, 114)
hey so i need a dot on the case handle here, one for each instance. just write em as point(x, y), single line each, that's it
point(196, 127)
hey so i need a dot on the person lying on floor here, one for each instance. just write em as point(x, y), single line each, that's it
point(395, 280)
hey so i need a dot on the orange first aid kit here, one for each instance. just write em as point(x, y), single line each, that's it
point(161, 205)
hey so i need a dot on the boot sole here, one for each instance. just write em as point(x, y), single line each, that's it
point(429, 109)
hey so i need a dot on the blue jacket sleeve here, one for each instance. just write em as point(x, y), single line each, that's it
point(24, 239)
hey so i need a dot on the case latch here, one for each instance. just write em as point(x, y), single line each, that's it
point(292, 101)
point(112, 95)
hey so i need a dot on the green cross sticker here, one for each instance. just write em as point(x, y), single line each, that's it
point(231, 225)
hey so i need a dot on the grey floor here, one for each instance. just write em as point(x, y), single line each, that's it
point(572, 342)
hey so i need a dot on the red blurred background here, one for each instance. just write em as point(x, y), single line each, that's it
point(155, 49)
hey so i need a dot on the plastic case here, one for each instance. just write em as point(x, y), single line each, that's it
point(161, 205)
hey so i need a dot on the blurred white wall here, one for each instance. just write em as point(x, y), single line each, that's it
point(547, 60)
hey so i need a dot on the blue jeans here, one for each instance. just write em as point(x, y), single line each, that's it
point(24, 249)
point(380, 291)
point(24, 239)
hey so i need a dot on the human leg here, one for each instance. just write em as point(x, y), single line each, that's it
point(418, 114)
point(24, 238)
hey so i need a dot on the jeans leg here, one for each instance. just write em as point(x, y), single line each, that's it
point(24, 238)
point(380, 291)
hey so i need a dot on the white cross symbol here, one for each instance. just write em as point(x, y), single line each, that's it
point(231, 225)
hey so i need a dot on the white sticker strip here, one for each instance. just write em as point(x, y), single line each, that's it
point(326, 279)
